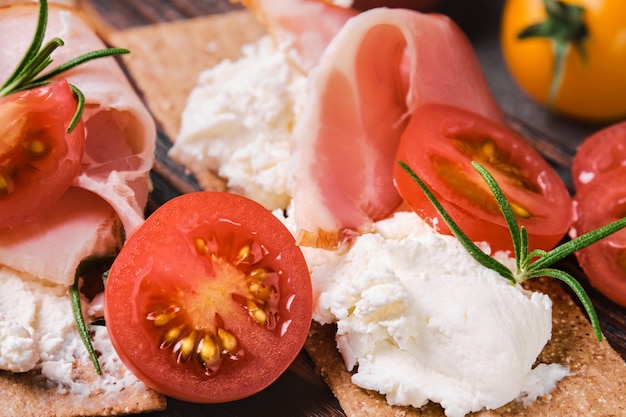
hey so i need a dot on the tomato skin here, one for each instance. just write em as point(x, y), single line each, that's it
point(603, 151)
point(592, 91)
point(36, 168)
point(428, 146)
point(597, 203)
point(161, 251)
point(598, 171)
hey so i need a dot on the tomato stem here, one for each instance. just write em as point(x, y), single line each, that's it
point(565, 26)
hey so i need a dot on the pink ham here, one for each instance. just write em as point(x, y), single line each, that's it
point(381, 65)
point(303, 27)
point(120, 134)
point(80, 225)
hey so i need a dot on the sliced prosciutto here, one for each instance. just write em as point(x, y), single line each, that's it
point(119, 149)
point(79, 225)
point(302, 27)
point(380, 66)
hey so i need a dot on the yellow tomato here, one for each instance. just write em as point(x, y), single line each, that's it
point(592, 85)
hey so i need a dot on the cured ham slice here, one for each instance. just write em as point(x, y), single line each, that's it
point(380, 66)
point(120, 133)
point(303, 27)
point(119, 151)
point(79, 225)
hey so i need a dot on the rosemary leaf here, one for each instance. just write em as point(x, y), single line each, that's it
point(77, 311)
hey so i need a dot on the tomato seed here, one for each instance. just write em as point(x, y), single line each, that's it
point(171, 336)
point(228, 341)
point(201, 246)
point(208, 351)
point(520, 211)
point(35, 148)
point(7, 187)
point(256, 312)
point(162, 317)
point(186, 347)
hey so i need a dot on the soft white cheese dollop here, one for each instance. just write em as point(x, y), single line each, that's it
point(17, 350)
point(419, 319)
point(238, 122)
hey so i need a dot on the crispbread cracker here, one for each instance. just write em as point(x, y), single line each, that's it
point(23, 396)
point(166, 59)
point(597, 386)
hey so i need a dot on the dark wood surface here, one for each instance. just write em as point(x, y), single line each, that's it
point(300, 392)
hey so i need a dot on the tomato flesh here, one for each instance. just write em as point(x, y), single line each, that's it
point(598, 171)
point(601, 152)
point(210, 299)
point(440, 143)
point(604, 262)
point(38, 158)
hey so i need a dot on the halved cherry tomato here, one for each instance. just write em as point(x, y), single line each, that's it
point(599, 173)
point(210, 299)
point(598, 203)
point(38, 158)
point(599, 153)
point(439, 144)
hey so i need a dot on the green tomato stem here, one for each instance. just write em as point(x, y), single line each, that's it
point(565, 26)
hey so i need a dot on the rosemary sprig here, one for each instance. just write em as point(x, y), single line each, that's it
point(529, 264)
point(28, 73)
point(77, 311)
point(84, 268)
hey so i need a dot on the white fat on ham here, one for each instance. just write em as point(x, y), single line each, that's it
point(80, 225)
point(380, 66)
point(302, 28)
point(120, 132)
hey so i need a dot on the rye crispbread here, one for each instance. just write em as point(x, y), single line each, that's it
point(25, 395)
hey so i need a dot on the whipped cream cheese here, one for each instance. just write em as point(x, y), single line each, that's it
point(419, 319)
point(38, 333)
point(238, 122)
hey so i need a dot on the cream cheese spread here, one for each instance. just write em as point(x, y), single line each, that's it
point(238, 122)
point(38, 334)
point(418, 319)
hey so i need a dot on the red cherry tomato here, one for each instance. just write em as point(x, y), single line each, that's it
point(596, 204)
point(210, 299)
point(598, 171)
point(439, 144)
point(601, 152)
point(38, 157)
